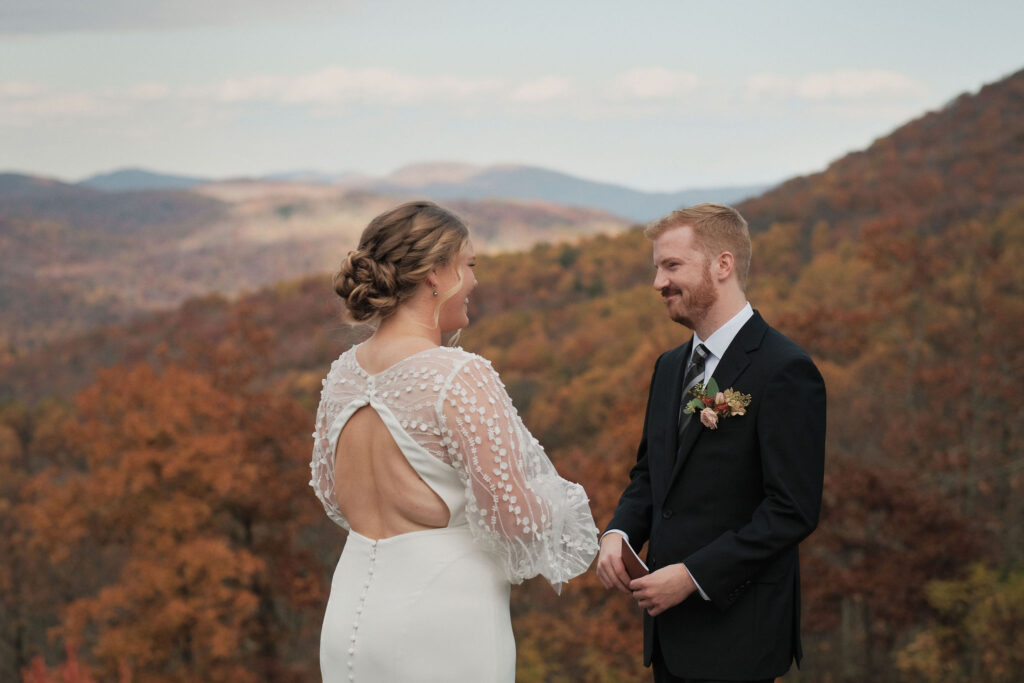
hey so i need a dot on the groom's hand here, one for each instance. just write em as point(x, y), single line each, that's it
point(610, 569)
point(661, 589)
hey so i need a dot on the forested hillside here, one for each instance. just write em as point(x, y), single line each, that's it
point(74, 257)
point(153, 477)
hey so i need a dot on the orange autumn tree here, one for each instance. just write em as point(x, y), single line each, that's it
point(31, 439)
point(184, 501)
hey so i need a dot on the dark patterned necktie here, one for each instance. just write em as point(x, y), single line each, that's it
point(694, 374)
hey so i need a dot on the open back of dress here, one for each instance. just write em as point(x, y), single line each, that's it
point(376, 487)
point(432, 604)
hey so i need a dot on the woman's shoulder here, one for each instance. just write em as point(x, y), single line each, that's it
point(345, 362)
point(441, 360)
point(461, 359)
point(340, 375)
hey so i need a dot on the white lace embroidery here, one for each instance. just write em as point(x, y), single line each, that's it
point(454, 405)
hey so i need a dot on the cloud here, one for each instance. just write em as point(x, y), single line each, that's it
point(852, 84)
point(842, 84)
point(762, 86)
point(20, 89)
point(148, 92)
point(341, 85)
point(653, 83)
point(24, 103)
point(316, 91)
point(29, 111)
point(61, 16)
point(541, 90)
point(327, 92)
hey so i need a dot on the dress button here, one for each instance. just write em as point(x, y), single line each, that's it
point(667, 513)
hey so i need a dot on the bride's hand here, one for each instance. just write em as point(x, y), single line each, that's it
point(610, 569)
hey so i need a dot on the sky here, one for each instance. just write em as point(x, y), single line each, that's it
point(657, 95)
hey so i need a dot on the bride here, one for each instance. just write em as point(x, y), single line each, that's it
point(420, 455)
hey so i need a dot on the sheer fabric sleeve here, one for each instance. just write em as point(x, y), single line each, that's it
point(322, 464)
point(518, 507)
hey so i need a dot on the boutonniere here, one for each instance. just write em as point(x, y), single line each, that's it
point(714, 404)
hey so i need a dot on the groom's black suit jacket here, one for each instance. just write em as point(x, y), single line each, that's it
point(731, 504)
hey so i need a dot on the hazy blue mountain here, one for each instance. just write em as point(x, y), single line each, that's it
point(533, 183)
point(133, 179)
point(21, 185)
point(311, 176)
point(445, 181)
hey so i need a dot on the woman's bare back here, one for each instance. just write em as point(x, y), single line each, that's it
point(377, 490)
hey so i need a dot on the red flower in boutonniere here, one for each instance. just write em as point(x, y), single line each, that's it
point(714, 404)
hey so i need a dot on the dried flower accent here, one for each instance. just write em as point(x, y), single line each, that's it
point(714, 405)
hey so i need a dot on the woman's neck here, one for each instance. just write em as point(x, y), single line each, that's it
point(406, 325)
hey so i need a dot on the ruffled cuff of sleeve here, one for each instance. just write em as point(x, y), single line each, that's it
point(574, 543)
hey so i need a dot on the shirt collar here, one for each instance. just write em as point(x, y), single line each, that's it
point(720, 339)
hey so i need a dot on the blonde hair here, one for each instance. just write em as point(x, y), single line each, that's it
point(396, 252)
point(716, 228)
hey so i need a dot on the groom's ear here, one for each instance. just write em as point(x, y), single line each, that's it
point(725, 264)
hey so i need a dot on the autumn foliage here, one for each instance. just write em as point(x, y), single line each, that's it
point(155, 516)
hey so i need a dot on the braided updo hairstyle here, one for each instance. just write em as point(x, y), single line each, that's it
point(396, 252)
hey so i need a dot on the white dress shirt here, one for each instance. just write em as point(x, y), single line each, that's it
point(716, 344)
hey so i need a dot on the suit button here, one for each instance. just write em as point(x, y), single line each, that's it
point(667, 514)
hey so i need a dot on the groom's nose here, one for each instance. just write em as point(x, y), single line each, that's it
point(660, 281)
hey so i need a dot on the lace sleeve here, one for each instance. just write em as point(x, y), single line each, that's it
point(518, 507)
point(322, 465)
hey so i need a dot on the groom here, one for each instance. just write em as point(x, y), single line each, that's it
point(722, 494)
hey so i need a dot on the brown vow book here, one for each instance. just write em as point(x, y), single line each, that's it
point(635, 567)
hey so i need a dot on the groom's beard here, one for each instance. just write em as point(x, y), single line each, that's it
point(693, 305)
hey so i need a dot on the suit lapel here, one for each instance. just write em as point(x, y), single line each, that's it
point(676, 383)
point(728, 370)
point(669, 398)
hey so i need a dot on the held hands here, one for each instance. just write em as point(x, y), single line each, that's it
point(656, 592)
point(610, 569)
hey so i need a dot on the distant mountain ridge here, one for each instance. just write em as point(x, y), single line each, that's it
point(445, 181)
point(73, 256)
point(897, 268)
point(964, 161)
point(136, 179)
point(455, 181)
point(951, 167)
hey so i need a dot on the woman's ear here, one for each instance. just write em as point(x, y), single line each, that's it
point(432, 279)
point(440, 275)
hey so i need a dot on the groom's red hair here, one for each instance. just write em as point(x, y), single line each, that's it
point(716, 228)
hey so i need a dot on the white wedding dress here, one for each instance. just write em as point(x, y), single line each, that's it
point(433, 605)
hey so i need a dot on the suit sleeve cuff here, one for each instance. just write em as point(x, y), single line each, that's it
point(694, 578)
